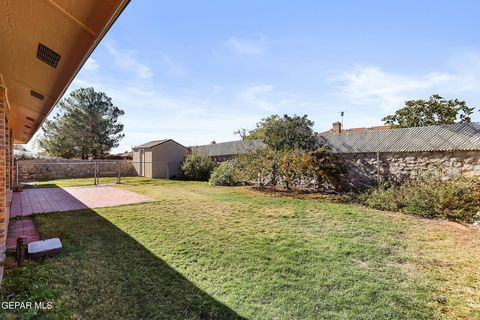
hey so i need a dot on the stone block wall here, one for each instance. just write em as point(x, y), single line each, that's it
point(363, 168)
point(38, 170)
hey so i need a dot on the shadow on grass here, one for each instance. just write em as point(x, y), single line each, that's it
point(103, 272)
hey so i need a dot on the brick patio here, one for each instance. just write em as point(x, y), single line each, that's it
point(41, 200)
point(19, 228)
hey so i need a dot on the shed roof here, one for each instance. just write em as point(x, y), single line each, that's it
point(465, 136)
point(150, 144)
point(229, 148)
point(155, 143)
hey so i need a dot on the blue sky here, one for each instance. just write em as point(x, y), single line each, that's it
point(196, 70)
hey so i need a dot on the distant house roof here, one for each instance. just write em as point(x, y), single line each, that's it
point(352, 130)
point(431, 138)
point(154, 143)
point(229, 148)
point(124, 155)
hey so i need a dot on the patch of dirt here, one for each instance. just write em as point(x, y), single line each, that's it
point(455, 225)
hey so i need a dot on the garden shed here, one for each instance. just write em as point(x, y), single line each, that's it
point(159, 158)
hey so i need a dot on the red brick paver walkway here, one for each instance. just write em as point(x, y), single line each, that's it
point(40, 200)
point(19, 228)
point(31, 201)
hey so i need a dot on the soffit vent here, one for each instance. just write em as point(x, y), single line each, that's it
point(37, 95)
point(30, 119)
point(47, 55)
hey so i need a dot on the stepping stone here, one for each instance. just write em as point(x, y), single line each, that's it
point(42, 248)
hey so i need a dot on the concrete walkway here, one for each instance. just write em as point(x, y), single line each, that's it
point(41, 200)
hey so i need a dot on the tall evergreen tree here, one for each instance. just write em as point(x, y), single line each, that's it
point(86, 125)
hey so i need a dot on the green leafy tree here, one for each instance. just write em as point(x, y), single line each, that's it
point(259, 131)
point(197, 167)
point(286, 132)
point(434, 111)
point(86, 126)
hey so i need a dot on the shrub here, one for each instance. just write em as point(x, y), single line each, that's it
point(456, 199)
point(290, 166)
point(258, 163)
point(382, 198)
point(197, 167)
point(225, 174)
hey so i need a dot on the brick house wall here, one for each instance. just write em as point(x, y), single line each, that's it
point(6, 164)
point(3, 170)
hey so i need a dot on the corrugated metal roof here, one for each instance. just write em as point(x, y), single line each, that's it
point(151, 144)
point(431, 138)
point(229, 148)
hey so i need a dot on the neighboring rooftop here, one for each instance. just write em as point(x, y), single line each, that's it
point(337, 129)
point(431, 138)
point(229, 148)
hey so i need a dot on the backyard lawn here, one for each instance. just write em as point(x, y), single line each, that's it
point(199, 252)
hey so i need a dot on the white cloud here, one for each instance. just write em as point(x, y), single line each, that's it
point(371, 85)
point(172, 68)
point(144, 71)
point(466, 66)
point(287, 101)
point(91, 65)
point(126, 60)
point(216, 88)
point(266, 97)
point(253, 96)
point(246, 46)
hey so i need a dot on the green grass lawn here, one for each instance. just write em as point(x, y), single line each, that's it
point(199, 252)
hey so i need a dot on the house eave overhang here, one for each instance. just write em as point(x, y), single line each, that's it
point(70, 29)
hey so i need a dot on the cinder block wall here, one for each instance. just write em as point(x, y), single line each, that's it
point(38, 170)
